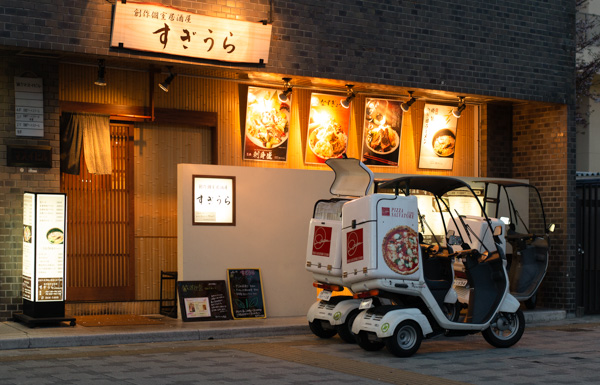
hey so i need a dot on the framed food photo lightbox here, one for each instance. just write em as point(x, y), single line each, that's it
point(381, 132)
point(267, 125)
point(438, 139)
point(327, 134)
point(213, 200)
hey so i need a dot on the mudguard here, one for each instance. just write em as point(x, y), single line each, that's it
point(451, 296)
point(334, 313)
point(384, 326)
point(509, 304)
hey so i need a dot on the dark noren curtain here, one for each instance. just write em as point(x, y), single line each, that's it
point(89, 130)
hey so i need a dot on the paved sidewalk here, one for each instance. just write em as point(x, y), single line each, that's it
point(15, 335)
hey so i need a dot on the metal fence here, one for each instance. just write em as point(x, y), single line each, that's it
point(588, 245)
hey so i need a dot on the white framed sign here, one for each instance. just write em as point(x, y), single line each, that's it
point(213, 200)
point(156, 28)
point(44, 247)
point(29, 106)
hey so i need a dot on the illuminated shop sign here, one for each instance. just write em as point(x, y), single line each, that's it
point(214, 200)
point(156, 28)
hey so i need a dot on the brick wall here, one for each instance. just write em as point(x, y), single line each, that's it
point(499, 141)
point(543, 152)
point(13, 181)
point(510, 49)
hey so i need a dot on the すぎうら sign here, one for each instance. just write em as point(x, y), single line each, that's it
point(156, 28)
point(213, 200)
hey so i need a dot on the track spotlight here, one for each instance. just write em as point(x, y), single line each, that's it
point(165, 85)
point(461, 107)
point(350, 95)
point(101, 69)
point(283, 96)
point(406, 105)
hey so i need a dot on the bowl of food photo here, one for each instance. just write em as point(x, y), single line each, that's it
point(443, 143)
point(382, 140)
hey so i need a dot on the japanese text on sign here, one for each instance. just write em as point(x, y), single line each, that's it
point(156, 28)
point(214, 200)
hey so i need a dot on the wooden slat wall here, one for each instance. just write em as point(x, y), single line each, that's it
point(158, 149)
point(99, 254)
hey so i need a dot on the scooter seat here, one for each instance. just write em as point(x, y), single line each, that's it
point(438, 284)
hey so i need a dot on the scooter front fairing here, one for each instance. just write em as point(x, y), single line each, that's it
point(528, 235)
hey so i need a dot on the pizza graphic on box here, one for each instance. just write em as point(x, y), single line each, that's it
point(401, 250)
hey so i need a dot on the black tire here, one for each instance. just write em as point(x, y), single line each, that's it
point(531, 302)
point(505, 330)
point(322, 329)
point(345, 330)
point(452, 310)
point(406, 339)
point(368, 341)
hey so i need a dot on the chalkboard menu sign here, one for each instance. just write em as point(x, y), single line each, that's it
point(246, 293)
point(203, 300)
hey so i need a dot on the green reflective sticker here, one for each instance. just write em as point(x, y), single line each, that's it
point(385, 327)
point(337, 315)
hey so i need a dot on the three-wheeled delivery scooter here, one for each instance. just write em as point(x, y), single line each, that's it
point(527, 235)
point(383, 256)
point(333, 314)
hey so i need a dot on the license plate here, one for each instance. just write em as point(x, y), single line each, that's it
point(460, 282)
point(324, 295)
point(366, 303)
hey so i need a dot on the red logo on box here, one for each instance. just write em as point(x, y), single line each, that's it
point(354, 246)
point(322, 241)
point(385, 211)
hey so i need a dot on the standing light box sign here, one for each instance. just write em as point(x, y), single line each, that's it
point(439, 137)
point(29, 107)
point(214, 200)
point(156, 28)
point(44, 251)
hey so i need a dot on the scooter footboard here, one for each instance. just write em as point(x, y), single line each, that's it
point(335, 311)
point(383, 320)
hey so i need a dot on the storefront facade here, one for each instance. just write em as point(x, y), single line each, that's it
point(512, 63)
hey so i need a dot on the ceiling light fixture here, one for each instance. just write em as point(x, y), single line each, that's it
point(283, 96)
point(461, 107)
point(406, 105)
point(165, 85)
point(350, 95)
point(101, 81)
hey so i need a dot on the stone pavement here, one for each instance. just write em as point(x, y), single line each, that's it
point(555, 349)
point(16, 335)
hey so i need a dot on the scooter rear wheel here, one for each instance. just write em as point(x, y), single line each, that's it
point(320, 330)
point(368, 341)
point(505, 330)
point(406, 339)
point(345, 330)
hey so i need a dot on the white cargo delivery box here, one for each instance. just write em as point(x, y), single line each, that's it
point(324, 252)
point(380, 238)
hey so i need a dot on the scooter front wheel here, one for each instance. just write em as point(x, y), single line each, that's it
point(406, 339)
point(322, 329)
point(505, 330)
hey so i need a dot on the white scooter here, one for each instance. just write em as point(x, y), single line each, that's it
point(333, 313)
point(383, 257)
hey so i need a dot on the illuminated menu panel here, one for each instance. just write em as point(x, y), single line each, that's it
point(44, 226)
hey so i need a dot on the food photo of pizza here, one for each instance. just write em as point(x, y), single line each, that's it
point(401, 250)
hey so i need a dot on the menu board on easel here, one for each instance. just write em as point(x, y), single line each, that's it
point(246, 293)
point(44, 252)
point(203, 300)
